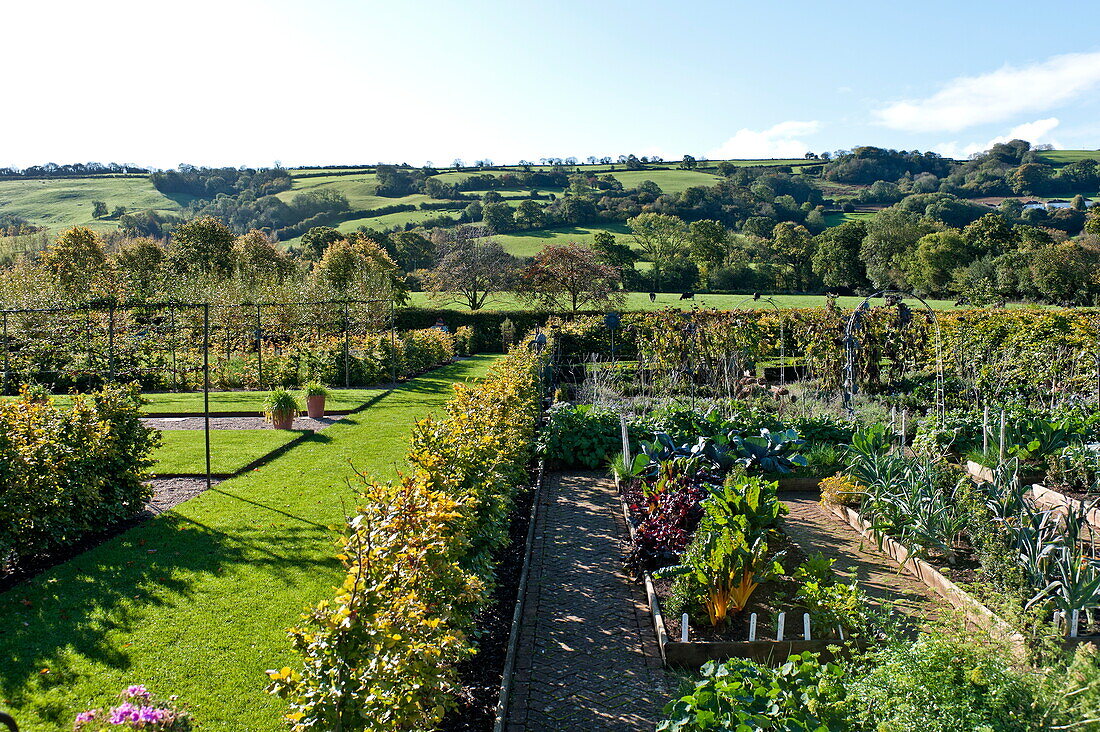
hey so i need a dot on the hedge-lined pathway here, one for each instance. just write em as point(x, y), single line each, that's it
point(587, 657)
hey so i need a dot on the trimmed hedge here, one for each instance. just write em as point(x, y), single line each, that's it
point(66, 472)
point(419, 553)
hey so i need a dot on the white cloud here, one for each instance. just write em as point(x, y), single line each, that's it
point(997, 96)
point(778, 141)
point(1036, 133)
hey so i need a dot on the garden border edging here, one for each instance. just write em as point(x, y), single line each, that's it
point(505, 693)
point(975, 611)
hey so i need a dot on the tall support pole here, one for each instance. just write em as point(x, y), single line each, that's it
point(347, 349)
point(206, 385)
point(172, 340)
point(393, 341)
point(7, 355)
point(259, 350)
point(111, 340)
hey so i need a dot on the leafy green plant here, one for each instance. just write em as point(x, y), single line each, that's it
point(729, 556)
point(315, 389)
point(67, 471)
point(802, 695)
point(577, 435)
point(281, 401)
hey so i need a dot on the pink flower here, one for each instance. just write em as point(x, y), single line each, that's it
point(123, 713)
point(138, 690)
point(87, 716)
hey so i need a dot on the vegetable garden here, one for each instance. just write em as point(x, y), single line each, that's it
point(957, 452)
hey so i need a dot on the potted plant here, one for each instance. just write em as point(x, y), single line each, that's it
point(280, 408)
point(315, 399)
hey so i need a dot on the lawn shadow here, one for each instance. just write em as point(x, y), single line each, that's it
point(71, 610)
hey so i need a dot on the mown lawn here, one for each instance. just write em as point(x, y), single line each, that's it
point(184, 451)
point(197, 601)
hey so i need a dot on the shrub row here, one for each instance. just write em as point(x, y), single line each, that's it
point(420, 564)
point(372, 359)
point(66, 472)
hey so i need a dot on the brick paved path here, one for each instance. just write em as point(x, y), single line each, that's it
point(814, 530)
point(587, 656)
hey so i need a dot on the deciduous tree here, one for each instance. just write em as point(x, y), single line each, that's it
point(472, 267)
point(571, 277)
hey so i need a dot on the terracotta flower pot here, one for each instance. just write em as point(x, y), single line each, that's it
point(282, 420)
point(315, 406)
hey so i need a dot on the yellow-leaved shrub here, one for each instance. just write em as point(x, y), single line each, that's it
point(382, 654)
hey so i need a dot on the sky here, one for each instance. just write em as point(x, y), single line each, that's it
point(318, 82)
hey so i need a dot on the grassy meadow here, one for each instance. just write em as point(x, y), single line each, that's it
point(63, 202)
point(639, 301)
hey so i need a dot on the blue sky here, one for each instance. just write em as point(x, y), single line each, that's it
point(347, 81)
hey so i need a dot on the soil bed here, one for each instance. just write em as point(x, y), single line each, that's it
point(480, 675)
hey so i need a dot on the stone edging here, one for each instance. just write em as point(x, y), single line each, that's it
point(504, 695)
point(1053, 499)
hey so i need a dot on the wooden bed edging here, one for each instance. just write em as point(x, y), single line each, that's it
point(982, 472)
point(505, 693)
point(975, 612)
point(694, 654)
point(1053, 499)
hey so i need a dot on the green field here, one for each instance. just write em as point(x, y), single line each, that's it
point(184, 451)
point(836, 219)
point(530, 243)
point(248, 401)
point(1063, 157)
point(639, 301)
point(191, 402)
point(63, 202)
point(196, 601)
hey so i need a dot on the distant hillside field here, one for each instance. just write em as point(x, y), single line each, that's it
point(63, 202)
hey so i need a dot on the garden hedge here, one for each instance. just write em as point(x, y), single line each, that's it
point(420, 564)
point(66, 472)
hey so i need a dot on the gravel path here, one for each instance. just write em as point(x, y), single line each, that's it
point(170, 492)
point(235, 423)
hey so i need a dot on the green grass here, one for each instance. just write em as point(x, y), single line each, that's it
point(1063, 157)
point(248, 401)
point(670, 181)
point(184, 451)
point(530, 243)
point(836, 219)
point(639, 301)
point(60, 203)
point(196, 602)
point(236, 401)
